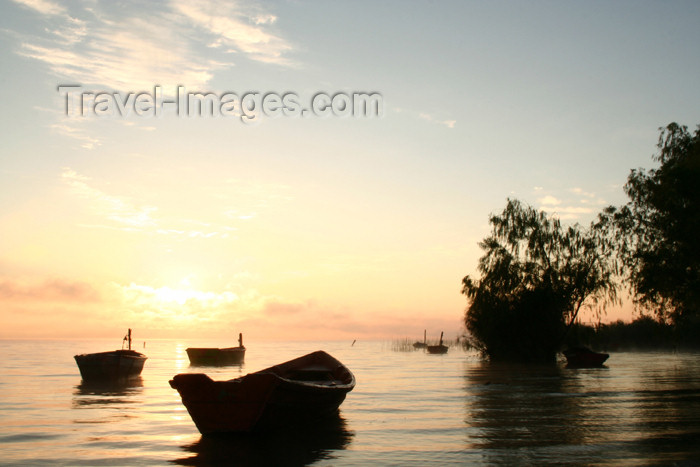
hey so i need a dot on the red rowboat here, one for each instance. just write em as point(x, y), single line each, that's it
point(299, 391)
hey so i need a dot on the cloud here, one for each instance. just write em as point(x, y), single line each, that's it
point(71, 32)
point(572, 212)
point(430, 118)
point(119, 210)
point(44, 7)
point(43, 307)
point(549, 201)
point(238, 29)
point(579, 191)
point(449, 123)
point(139, 294)
point(311, 319)
point(48, 290)
point(426, 117)
point(588, 197)
point(183, 309)
point(573, 204)
point(79, 134)
point(230, 203)
point(129, 55)
point(138, 50)
point(264, 19)
point(277, 307)
point(565, 212)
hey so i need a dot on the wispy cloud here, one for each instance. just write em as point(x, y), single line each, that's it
point(114, 208)
point(588, 197)
point(230, 203)
point(131, 53)
point(127, 55)
point(572, 212)
point(428, 117)
point(44, 7)
point(237, 29)
point(49, 290)
point(71, 31)
point(77, 133)
point(432, 119)
point(140, 294)
point(573, 204)
point(549, 200)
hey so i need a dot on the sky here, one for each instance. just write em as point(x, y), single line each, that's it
point(286, 210)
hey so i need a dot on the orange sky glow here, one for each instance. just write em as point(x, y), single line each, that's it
point(308, 225)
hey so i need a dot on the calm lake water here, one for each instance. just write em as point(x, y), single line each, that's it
point(408, 408)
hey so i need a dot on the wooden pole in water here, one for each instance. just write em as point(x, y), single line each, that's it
point(240, 339)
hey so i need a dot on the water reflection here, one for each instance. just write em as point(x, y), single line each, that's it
point(213, 364)
point(298, 446)
point(533, 415)
point(102, 393)
point(516, 406)
point(667, 409)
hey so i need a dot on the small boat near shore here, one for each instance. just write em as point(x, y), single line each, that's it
point(437, 349)
point(583, 357)
point(115, 365)
point(206, 356)
point(297, 392)
point(421, 345)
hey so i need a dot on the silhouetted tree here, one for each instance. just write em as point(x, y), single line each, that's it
point(644, 333)
point(536, 275)
point(657, 230)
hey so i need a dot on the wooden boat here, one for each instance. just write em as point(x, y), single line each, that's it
point(421, 345)
point(583, 357)
point(217, 357)
point(437, 349)
point(111, 366)
point(297, 392)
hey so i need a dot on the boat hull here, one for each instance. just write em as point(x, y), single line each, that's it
point(110, 366)
point(436, 349)
point(297, 392)
point(584, 358)
point(216, 357)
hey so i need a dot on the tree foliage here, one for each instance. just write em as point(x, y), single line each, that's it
point(535, 277)
point(657, 230)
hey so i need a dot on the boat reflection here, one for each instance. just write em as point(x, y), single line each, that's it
point(91, 394)
point(210, 364)
point(298, 446)
point(526, 415)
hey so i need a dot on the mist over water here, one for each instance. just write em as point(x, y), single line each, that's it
point(408, 408)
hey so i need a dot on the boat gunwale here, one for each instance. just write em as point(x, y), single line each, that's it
point(218, 349)
point(121, 353)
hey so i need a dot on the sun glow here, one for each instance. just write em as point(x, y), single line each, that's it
point(167, 295)
point(178, 306)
